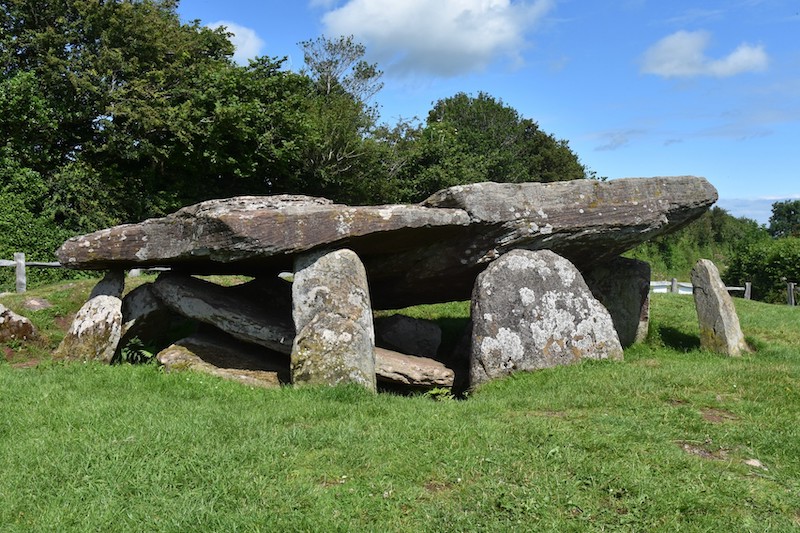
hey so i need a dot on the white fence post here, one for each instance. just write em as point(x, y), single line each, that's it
point(22, 280)
point(790, 293)
point(748, 289)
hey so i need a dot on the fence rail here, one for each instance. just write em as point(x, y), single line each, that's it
point(20, 265)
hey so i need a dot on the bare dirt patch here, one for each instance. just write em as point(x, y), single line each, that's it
point(434, 486)
point(63, 322)
point(717, 416)
point(699, 451)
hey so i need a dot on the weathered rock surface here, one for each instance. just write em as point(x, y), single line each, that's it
point(533, 310)
point(412, 253)
point(397, 368)
point(408, 335)
point(14, 326)
point(719, 324)
point(223, 356)
point(112, 284)
point(623, 287)
point(95, 332)
point(147, 318)
point(227, 309)
point(332, 315)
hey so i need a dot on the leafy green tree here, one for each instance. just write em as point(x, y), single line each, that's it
point(768, 265)
point(716, 235)
point(340, 116)
point(785, 219)
point(470, 139)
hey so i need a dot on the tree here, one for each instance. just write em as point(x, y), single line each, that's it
point(785, 219)
point(470, 139)
point(340, 117)
point(122, 112)
point(768, 265)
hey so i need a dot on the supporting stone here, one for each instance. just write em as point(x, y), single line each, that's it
point(226, 308)
point(97, 328)
point(533, 310)
point(719, 324)
point(623, 286)
point(333, 317)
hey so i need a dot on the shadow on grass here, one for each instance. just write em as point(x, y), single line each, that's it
point(678, 340)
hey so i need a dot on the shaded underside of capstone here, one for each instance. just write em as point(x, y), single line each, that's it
point(423, 253)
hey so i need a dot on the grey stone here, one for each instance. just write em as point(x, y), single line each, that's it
point(112, 284)
point(36, 304)
point(249, 320)
point(222, 356)
point(533, 310)
point(622, 285)
point(333, 318)
point(719, 324)
point(14, 326)
point(95, 332)
point(408, 335)
point(413, 254)
point(401, 369)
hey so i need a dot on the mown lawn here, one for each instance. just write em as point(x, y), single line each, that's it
point(671, 439)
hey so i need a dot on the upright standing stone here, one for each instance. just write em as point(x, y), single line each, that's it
point(623, 286)
point(719, 324)
point(333, 317)
point(533, 310)
point(97, 328)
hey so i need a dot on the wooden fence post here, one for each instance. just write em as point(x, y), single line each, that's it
point(748, 289)
point(790, 293)
point(22, 280)
point(674, 287)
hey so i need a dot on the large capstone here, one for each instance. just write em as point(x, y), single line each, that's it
point(413, 254)
point(719, 324)
point(533, 310)
point(332, 314)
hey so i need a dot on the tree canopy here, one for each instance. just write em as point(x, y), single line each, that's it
point(785, 219)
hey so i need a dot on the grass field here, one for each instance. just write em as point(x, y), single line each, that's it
point(671, 439)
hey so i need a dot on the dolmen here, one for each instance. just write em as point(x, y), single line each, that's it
point(539, 261)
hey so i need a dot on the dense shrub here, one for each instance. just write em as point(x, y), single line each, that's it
point(768, 265)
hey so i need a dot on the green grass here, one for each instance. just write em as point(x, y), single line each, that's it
point(655, 443)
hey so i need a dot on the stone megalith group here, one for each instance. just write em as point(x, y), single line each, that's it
point(540, 263)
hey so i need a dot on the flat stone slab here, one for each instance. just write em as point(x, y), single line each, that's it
point(425, 253)
point(226, 358)
point(398, 368)
point(225, 308)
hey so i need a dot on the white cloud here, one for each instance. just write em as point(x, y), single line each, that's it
point(247, 42)
point(682, 54)
point(441, 37)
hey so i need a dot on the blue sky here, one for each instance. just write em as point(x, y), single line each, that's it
point(637, 87)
